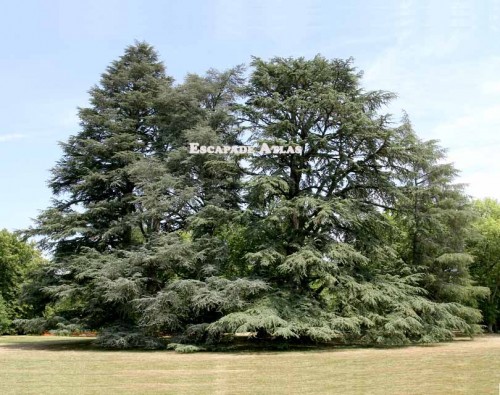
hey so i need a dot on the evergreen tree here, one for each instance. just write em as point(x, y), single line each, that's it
point(126, 187)
point(148, 239)
point(321, 244)
point(94, 213)
point(436, 215)
point(92, 182)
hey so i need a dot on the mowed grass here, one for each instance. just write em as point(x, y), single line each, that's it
point(52, 365)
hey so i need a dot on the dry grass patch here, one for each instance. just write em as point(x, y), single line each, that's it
point(41, 365)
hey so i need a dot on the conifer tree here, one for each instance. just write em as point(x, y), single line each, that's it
point(94, 213)
point(149, 240)
point(436, 216)
point(92, 182)
point(319, 215)
point(126, 187)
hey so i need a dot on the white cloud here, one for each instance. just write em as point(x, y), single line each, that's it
point(474, 147)
point(9, 137)
point(481, 185)
point(449, 98)
point(477, 128)
point(491, 87)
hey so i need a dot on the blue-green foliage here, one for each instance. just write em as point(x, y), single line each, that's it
point(347, 242)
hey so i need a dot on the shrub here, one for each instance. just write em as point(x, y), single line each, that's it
point(5, 322)
point(184, 348)
point(117, 337)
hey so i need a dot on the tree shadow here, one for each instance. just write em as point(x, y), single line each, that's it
point(267, 346)
point(238, 346)
point(66, 344)
point(69, 344)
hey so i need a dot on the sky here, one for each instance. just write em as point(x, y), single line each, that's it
point(442, 58)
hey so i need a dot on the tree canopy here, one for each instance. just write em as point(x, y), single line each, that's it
point(359, 238)
point(17, 261)
point(484, 245)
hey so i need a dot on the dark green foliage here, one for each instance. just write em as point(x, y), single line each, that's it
point(18, 260)
point(484, 245)
point(323, 249)
point(67, 329)
point(184, 348)
point(350, 241)
point(33, 326)
point(5, 320)
point(93, 181)
point(41, 325)
point(434, 217)
point(116, 337)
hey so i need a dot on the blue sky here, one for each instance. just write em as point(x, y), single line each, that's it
point(441, 57)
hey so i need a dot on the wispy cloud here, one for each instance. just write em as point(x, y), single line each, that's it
point(9, 137)
point(448, 97)
point(474, 143)
point(492, 88)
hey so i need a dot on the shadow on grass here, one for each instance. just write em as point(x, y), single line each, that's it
point(260, 346)
point(55, 343)
point(242, 345)
point(68, 344)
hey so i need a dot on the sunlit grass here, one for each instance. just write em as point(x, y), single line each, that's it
point(58, 365)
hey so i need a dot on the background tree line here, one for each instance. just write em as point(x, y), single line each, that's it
point(362, 238)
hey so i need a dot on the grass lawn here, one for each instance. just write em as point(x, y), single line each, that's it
point(58, 365)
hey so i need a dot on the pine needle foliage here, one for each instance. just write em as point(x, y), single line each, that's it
point(357, 239)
